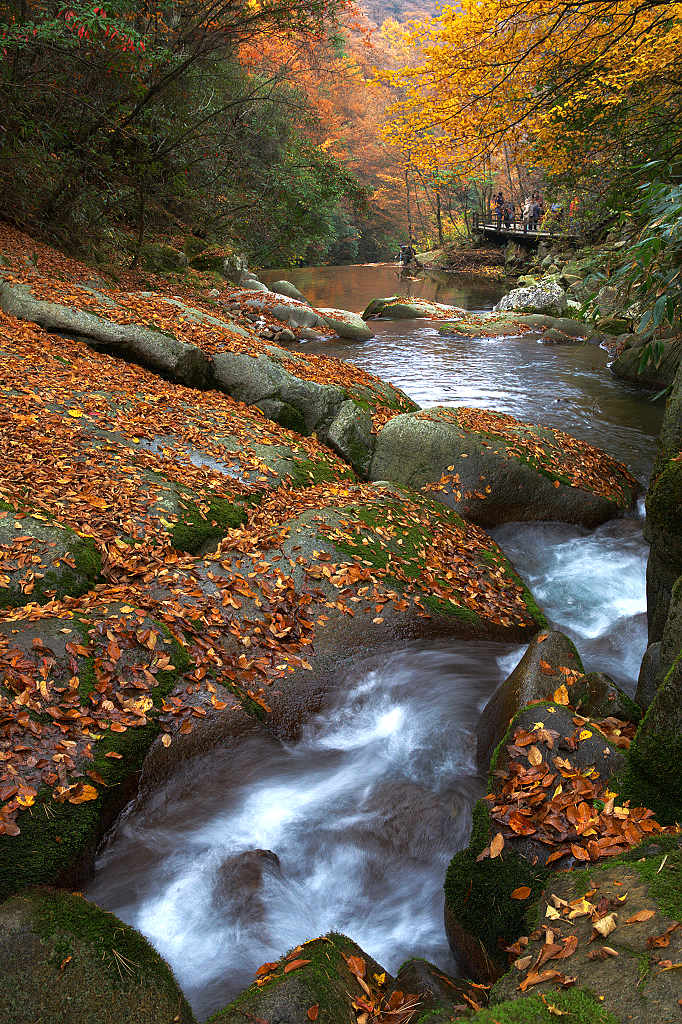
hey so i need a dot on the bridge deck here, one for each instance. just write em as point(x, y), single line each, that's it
point(516, 231)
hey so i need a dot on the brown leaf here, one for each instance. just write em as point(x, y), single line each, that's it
point(522, 893)
point(641, 915)
point(294, 964)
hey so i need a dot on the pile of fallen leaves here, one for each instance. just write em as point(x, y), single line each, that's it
point(561, 455)
point(53, 278)
point(543, 796)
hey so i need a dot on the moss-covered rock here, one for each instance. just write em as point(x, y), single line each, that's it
point(632, 364)
point(402, 307)
point(480, 916)
point(40, 559)
point(578, 1006)
point(652, 776)
point(663, 530)
point(631, 981)
point(65, 961)
point(550, 661)
point(322, 978)
point(493, 468)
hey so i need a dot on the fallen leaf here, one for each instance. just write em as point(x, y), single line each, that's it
point(641, 915)
point(294, 964)
point(496, 846)
point(313, 1012)
point(522, 893)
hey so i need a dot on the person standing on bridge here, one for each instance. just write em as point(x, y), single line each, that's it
point(527, 215)
point(499, 209)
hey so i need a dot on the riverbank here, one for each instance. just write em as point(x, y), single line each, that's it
point(212, 505)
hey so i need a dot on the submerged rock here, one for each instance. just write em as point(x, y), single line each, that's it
point(63, 959)
point(493, 468)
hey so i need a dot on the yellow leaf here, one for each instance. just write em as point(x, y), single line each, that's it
point(86, 793)
point(76, 413)
point(561, 695)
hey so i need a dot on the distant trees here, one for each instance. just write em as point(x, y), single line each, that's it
point(588, 90)
point(134, 115)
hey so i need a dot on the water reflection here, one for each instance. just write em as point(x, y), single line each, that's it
point(354, 287)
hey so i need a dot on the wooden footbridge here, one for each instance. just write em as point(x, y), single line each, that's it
point(516, 232)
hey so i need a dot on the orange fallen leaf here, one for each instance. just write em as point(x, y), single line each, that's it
point(641, 915)
point(313, 1012)
point(294, 964)
point(522, 893)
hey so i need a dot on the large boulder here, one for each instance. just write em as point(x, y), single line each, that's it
point(179, 361)
point(545, 297)
point(65, 961)
point(615, 930)
point(654, 770)
point(493, 468)
point(291, 311)
point(346, 324)
point(645, 367)
point(401, 307)
point(549, 805)
point(663, 525)
point(288, 289)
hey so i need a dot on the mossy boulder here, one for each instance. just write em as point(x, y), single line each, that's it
point(60, 819)
point(346, 324)
point(40, 559)
point(65, 961)
point(163, 259)
point(401, 307)
point(315, 974)
point(481, 917)
point(492, 468)
point(663, 530)
point(630, 982)
point(636, 365)
point(653, 774)
point(288, 289)
point(550, 661)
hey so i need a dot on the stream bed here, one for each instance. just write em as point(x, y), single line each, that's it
point(268, 844)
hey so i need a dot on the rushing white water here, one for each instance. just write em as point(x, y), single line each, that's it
point(361, 816)
point(363, 813)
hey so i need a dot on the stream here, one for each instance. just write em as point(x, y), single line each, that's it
point(269, 844)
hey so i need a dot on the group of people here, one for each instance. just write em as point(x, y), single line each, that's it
point(532, 211)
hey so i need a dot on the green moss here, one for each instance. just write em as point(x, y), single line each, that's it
point(478, 894)
point(88, 967)
point(325, 981)
point(64, 581)
point(580, 1006)
point(663, 501)
point(652, 776)
point(308, 472)
point(59, 840)
point(664, 885)
point(194, 528)
point(292, 418)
